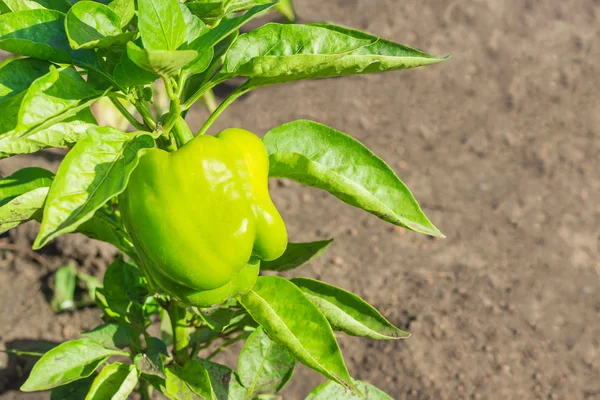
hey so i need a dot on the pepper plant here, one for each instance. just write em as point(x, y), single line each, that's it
point(190, 214)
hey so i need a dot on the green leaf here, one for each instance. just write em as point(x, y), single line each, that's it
point(194, 25)
point(286, 8)
point(221, 318)
point(60, 92)
point(108, 228)
point(161, 24)
point(65, 282)
point(23, 181)
point(116, 381)
point(279, 53)
point(125, 291)
point(76, 390)
point(296, 255)
point(213, 11)
point(188, 382)
point(40, 34)
point(319, 156)
point(225, 382)
point(162, 62)
point(50, 134)
point(111, 335)
point(125, 9)
point(290, 319)
point(127, 74)
point(347, 312)
point(264, 366)
point(22, 208)
point(151, 363)
point(16, 75)
point(94, 25)
point(94, 171)
point(67, 362)
point(333, 391)
point(22, 5)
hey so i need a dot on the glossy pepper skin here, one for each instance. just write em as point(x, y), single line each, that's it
point(201, 217)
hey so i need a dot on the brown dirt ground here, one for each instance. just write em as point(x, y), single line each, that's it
point(501, 146)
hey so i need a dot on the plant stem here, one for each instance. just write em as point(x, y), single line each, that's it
point(181, 337)
point(200, 92)
point(209, 100)
point(146, 114)
point(182, 132)
point(145, 390)
point(125, 112)
point(245, 88)
point(228, 343)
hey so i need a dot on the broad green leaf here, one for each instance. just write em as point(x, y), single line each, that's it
point(94, 25)
point(106, 227)
point(279, 53)
point(125, 9)
point(22, 209)
point(333, 391)
point(67, 362)
point(57, 92)
point(194, 25)
point(16, 75)
point(347, 312)
point(290, 319)
point(22, 5)
point(162, 62)
point(161, 24)
point(60, 134)
point(286, 8)
point(111, 335)
point(76, 390)
point(125, 291)
point(40, 34)
point(224, 381)
point(94, 171)
point(264, 366)
point(128, 74)
point(319, 156)
point(116, 381)
point(65, 282)
point(23, 181)
point(295, 255)
point(191, 381)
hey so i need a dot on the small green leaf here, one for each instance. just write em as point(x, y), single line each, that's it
point(296, 255)
point(188, 382)
point(279, 53)
point(127, 74)
point(333, 391)
point(194, 25)
point(224, 381)
point(22, 5)
point(213, 11)
point(65, 282)
point(347, 312)
point(94, 25)
point(53, 133)
point(286, 8)
point(94, 171)
point(290, 319)
point(16, 75)
point(76, 390)
point(107, 227)
point(125, 9)
point(23, 181)
point(67, 362)
point(222, 318)
point(161, 24)
point(125, 291)
point(319, 156)
point(111, 335)
point(55, 93)
point(116, 381)
point(40, 34)
point(151, 363)
point(162, 62)
point(264, 366)
point(22, 208)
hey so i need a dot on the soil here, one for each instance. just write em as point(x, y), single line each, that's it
point(500, 145)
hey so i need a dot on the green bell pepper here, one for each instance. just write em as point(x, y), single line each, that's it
point(201, 217)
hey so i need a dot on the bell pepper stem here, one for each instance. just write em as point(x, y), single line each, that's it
point(181, 333)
